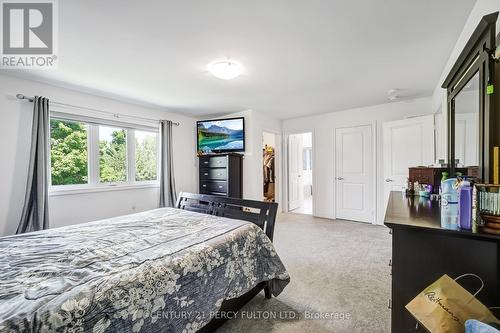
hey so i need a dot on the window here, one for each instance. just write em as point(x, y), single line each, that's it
point(146, 155)
point(86, 155)
point(68, 152)
point(112, 154)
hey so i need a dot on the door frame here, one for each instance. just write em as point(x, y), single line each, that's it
point(278, 165)
point(286, 135)
point(373, 125)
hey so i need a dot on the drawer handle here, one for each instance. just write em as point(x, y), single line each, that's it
point(389, 306)
point(220, 186)
point(206, 174)
point(206, 162)
point(204, 185)
point(219, 174)
point(390, 262)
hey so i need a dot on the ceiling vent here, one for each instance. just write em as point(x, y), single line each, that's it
point(394, 94)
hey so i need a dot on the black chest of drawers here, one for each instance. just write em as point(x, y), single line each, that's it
point(221, 175)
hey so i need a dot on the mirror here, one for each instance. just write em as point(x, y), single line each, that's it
point(466, 106)
point(472, 119)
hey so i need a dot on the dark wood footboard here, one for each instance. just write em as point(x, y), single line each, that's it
point(263, 214)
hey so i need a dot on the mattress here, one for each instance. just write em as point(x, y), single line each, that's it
point(164, 270)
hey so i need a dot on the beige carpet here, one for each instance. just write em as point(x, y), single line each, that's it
point(339, 276)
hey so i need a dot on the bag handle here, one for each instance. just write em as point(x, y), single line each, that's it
point(475, 294)
point(474, 275)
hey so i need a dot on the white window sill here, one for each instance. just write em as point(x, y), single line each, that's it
point(70, 190)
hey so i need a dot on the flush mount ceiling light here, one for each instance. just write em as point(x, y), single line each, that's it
point(225, 69)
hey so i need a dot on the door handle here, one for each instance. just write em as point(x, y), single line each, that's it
point(388, 180)
point(340, 178)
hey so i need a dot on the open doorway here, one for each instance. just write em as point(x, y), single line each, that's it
point(269, 166)
point(300, 173)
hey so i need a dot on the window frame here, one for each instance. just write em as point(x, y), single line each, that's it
point(93, 156)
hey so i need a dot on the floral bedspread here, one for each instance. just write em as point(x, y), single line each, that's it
point(165, 270)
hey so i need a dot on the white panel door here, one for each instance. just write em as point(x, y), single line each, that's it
point(295, 183)
point(466, 139)
point(355, 172)
point(407, 143)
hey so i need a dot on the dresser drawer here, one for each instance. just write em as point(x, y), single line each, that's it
point(213, 161)
point(425, 179)
point(213, 174)
point(217, 186)
point(218, 162)
point(204, 162)
point(422, 175)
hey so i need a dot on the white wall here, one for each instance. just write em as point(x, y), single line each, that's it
point(439, 101)
point(322, 127)
point(268, 139)
point(307, 140)
point(76, 208)
point(256, 123)
point(440, 143)
point(307, 175)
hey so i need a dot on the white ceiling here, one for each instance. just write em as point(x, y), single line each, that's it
point(301, 56)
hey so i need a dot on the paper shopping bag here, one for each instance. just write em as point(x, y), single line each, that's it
point(444, 306)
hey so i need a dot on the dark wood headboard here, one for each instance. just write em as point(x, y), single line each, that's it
point(261, 213)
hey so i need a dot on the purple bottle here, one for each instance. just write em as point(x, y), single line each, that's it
point(465, 206)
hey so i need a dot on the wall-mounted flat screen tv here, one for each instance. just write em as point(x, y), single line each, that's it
point(221, 135)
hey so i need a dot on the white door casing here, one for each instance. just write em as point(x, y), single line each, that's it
point(355, 172)
point(295, 184)
point(406, 143)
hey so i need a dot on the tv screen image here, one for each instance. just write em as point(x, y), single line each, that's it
point(223, 135)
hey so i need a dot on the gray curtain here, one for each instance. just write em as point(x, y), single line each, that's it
point(35, 215)
point(168, 196)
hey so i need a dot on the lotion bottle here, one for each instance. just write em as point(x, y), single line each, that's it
point(465, 206)
point(449, 204)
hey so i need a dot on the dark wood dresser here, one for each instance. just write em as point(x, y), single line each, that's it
point(422, 251)
point(221, 175)
point(432, 176)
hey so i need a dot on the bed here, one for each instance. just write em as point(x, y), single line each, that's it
point(164, 270)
